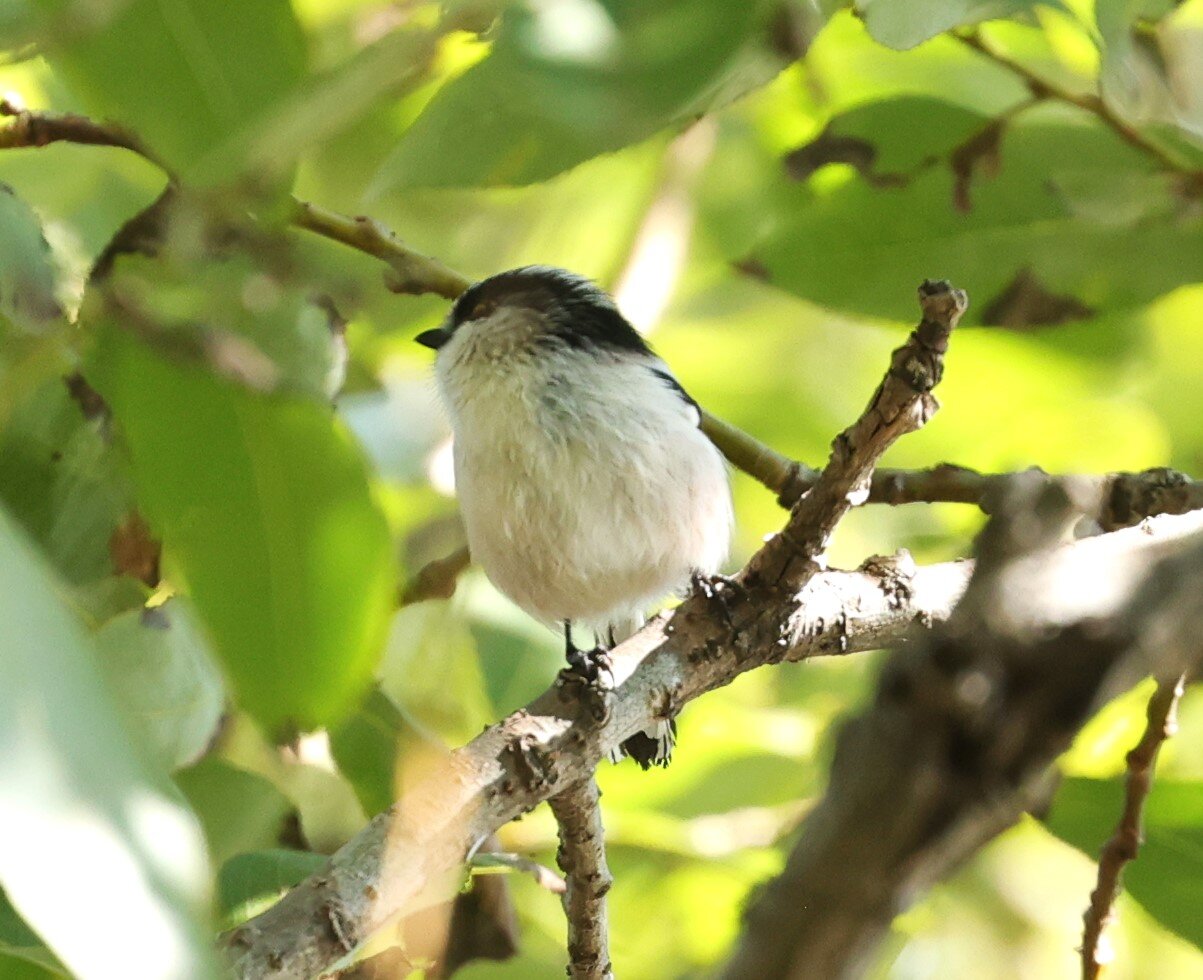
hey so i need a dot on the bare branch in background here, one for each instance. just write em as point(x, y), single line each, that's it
point(582, 858)
point(1162, 723)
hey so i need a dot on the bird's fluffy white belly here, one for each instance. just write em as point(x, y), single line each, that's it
point(578, 517)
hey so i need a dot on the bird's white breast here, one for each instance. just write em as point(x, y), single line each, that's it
point(587, 490)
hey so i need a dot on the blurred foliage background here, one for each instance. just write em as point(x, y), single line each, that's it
point(765, 216)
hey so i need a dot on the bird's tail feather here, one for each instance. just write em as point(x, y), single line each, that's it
point(654, 745)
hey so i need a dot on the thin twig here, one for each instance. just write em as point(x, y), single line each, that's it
point(35, 129)
point(409, 271)
point(1125, 843)
point(902, 403)
point(1043, 88)
point(582, 858)
point(436, 579)
point(544, 877)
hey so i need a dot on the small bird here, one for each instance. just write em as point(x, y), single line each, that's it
point(589, 493)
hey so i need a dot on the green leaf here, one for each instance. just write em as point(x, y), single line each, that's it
point(263, 503)
point(73, 794)
point(1073, 218)
point(902, 24)
point(28, 280)
point(159, 667)
point(568, 81)
point(1167, 875)
point(190, 77)
point(370, 747)
point(239, 810)
point(249, 883)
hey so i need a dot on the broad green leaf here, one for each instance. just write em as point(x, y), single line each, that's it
point(28, 284)
point(75, 796)
point(249, 883)
point(190, 77)
point(239, 810)
point(170, 693)
point(1167, 875)
point(263, 503)
point(1072, 224)
point(570, 79)
point(903, 24)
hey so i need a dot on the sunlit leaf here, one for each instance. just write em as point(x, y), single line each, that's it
point(861, 244)
point(264, 504)
point(170, 693)
point(569, 80)
point(216, 67)
point(74, 795)
point(906, 23)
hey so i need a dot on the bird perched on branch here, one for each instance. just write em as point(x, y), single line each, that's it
point(588, 491)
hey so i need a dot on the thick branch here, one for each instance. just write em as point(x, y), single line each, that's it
point(1125, 843)
point(582, 858)
point(959, 738)
point(408, 856)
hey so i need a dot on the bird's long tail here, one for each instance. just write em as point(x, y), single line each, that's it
point(654, 745)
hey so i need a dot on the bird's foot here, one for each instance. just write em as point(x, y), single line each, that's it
point(727, 592)
point(591, 674)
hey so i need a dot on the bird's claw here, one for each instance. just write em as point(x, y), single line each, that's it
point(591, 672)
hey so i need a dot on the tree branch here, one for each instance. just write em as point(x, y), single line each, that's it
point(35, 129)
point(902, 403)
point(1125, 843)
point(958, 740)
point(582, 858)
point(407, 856)
point(417, 847)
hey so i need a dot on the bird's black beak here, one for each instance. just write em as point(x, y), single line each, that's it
point(434, 339)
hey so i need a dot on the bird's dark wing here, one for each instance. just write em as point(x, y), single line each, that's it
point(675, 385)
